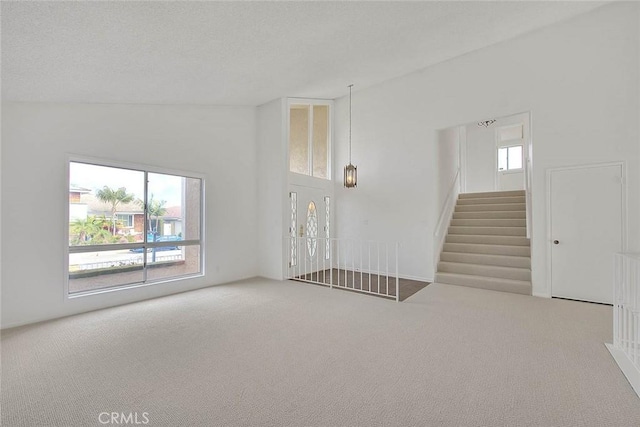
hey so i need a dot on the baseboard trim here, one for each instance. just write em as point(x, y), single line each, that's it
point(626, 366)
point(541, 294)
point(416, 278)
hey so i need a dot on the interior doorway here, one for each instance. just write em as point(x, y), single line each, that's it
point(497, 154)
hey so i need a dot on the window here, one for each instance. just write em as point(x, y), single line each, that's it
point(309, 140)
point(136, 226)
point(510, 147)
point(293, 260)
point(125, 219)
point(510, 158)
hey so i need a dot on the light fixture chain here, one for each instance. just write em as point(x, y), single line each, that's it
point(350, 86)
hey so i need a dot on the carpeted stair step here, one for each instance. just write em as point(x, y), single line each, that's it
point(492, 194)
point(491, 207)
point(487, 239)
point(488, 249)
point(523, 274)
point(486, 244)
point(492, 200)
point(494, 222)
point(498, 231)
point(491, 283)
point(490, 215)
point(484, 259)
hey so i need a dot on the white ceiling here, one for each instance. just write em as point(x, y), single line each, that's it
point(242, 53)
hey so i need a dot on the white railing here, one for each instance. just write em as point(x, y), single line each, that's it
point(363, 266)
point(446, 213)
point(626, 317)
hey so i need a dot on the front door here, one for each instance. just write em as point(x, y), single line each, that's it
point(311, 219)
point(586, 230)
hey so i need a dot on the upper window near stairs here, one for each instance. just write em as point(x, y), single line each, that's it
point(510, 158)
point(310, 138)
point(510, 147)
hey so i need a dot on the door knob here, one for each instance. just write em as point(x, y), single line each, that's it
point(555, 242)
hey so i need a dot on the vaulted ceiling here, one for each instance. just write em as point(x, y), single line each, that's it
point(242, 53)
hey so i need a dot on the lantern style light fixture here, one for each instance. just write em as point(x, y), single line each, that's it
point(350, 171)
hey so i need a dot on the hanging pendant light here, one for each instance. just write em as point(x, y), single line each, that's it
point(350, 171)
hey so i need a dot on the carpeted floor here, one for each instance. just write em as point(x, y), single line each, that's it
point(370, 282)
point(268, 353)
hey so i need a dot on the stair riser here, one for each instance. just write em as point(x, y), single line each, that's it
point(497, 231)
point(490, 215)
point(485, 271)
point(492, 194)
point(491, 207)
point(517, 288)
point(487, 249)
point(501, 222)
point(484, 259)
point(487, 239)
point(491, 200)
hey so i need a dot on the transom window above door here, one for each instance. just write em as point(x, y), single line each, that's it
point(310, 139)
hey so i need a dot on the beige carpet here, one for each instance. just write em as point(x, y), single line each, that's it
point(266, 353)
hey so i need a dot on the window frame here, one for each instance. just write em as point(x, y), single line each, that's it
point(507, 143)
point(507, 147)
point(311, 102)
point(146, 169)
point(130, 219)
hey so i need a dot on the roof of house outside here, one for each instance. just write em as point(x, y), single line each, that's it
point(97, 207)
point(78, 189)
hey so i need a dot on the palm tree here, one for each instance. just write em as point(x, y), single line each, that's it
point(82, 230)
point(114, 198)
point(155, 208)
point(89, 230)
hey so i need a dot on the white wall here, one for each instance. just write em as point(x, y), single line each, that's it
point(272, 186)
point(448, 155)
point(395, 196)
point(578, 78)
point(481, 151)
point(449, 179)
point(217, 142)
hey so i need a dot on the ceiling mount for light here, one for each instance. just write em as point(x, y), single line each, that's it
point(350, 171)
point(487, 123)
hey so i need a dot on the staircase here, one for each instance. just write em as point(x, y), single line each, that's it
point(486, 246)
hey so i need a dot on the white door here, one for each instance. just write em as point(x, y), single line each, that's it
point(586, 230)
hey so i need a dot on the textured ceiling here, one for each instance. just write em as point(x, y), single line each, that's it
point(242, 53)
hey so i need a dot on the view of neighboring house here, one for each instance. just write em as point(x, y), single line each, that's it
point(129, 216)
point(77, 207)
